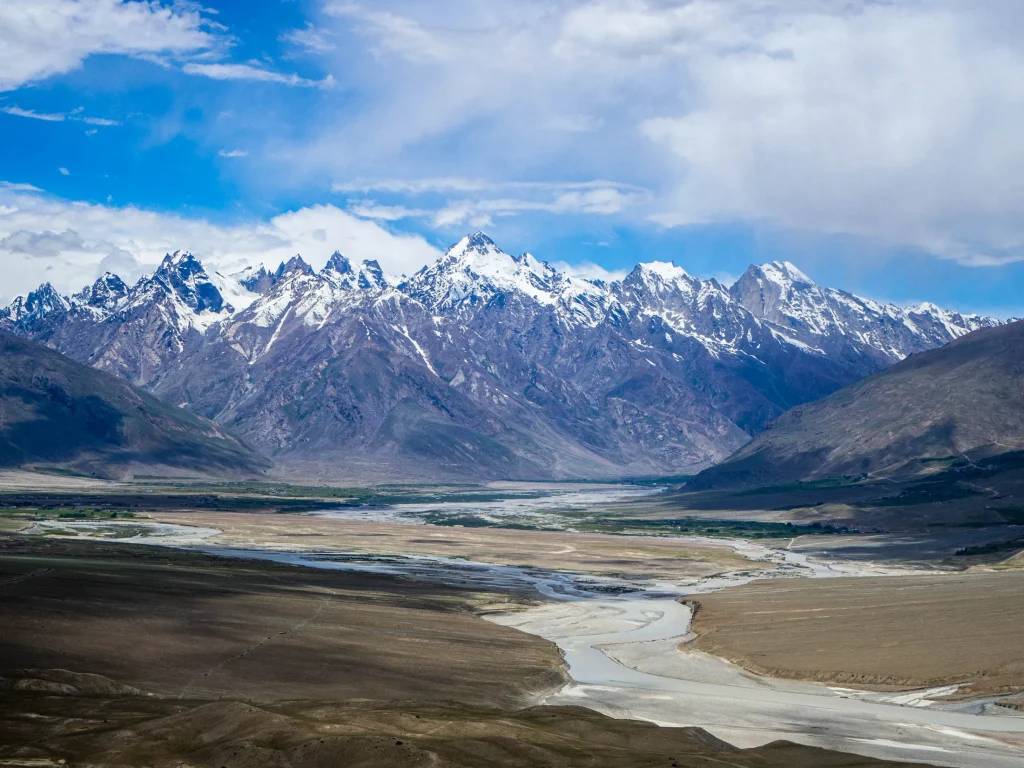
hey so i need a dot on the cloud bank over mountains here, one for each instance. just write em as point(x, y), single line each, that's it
point(48, 240)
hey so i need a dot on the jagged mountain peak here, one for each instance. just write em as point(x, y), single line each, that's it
point(182, 259)
point(475, 249)
point(371, 275)
point(255, 279)
point(784, 272)
point(295, 265)
point(344, 274)
point(478, 241)
point(338, 263)
point(665, 271)
point(111, 280)
point(105, 293)
point(475, 268)
point(42, 301)
point(660, 371)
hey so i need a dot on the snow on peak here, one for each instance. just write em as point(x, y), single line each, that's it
point(476, 267)
point(926, 308)
point(475, 251)
point(367, 275)
point(198, 298)
point(180, 259)
point(478, 241)
point(372, 276)
point(295, 265)
point(105, 293)
point(785, 273)
point(42, 301)
point(667, 271)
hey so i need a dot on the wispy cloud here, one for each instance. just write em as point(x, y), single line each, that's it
point(368, 209)
point(396, 33)
point(64, 171)
point(19, 112)
point(98, 121)
point(588, 270)
point(58, 117)
point(447, 184)
point(17, 187)
point(486, 200)
point(233, 153)
point(254, 73)
point(310, 39)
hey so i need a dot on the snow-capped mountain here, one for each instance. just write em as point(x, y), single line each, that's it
point(482, 364)
point(824, 317)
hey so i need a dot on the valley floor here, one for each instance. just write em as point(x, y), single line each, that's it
point(117, 655)
point(919, 664)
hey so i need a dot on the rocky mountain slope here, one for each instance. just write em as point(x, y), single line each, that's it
point(965, 397)
point(54, 411)
point(482, 364)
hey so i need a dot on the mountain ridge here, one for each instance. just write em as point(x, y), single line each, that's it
point(535, 371)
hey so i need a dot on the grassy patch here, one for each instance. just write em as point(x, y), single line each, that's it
point(992, 548)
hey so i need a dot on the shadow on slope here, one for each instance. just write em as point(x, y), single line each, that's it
point(56, 411)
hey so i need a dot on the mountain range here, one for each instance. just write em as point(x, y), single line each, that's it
point(956, 403)
point(482, 364)
point(54, 411)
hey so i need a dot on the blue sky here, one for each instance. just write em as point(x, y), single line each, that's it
point(875, 145)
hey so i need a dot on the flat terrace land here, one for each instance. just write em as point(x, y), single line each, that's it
point(185, 624)
point(586, 552)
point(887, 633)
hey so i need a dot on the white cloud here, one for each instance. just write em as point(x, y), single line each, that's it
point(603, 201)
point(446, 184)
point(309, 39)
point(368, 209)
point(42, 38)
point(70, 243)
point(898, 122)
point(396, 33)
point(895, 121)
point(19, 112)
point(233, 153)
point(572, 198)
point(58, 117)
point(64, 171)
point(491, 199)
point(253, 72)
point(16, 187)
point(98, 121)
